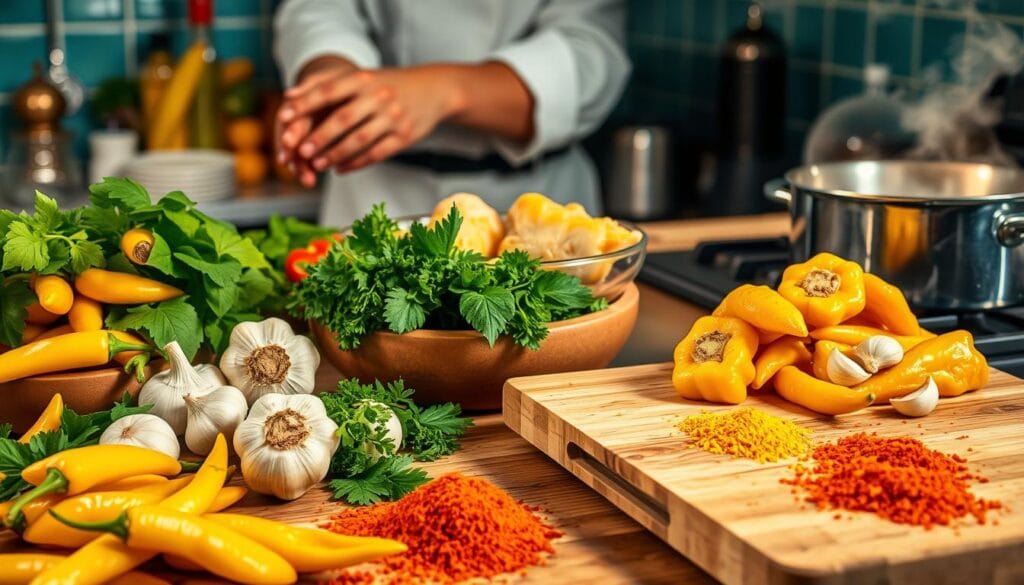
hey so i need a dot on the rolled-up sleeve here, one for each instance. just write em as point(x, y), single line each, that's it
point(575, 66)
point(306, 29)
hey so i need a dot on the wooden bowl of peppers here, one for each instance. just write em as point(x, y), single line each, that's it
point(65, 347)
point(761, 338)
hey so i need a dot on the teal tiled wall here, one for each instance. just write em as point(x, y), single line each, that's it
point(675, 49)
point(108, 38)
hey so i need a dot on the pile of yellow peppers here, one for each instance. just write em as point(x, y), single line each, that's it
point(118, 507)
point(759, 337)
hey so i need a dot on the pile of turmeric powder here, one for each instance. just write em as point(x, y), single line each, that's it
point(898, 479)
point(747, 432)
point(456, 528)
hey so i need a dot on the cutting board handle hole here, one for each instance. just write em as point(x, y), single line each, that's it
point(654, 511)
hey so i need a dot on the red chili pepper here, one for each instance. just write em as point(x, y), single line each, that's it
point(297, 262)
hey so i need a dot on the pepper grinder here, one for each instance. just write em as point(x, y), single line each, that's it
point(41, 156)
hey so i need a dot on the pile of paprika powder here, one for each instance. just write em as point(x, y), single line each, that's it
point(898, 479)
point(456, 528)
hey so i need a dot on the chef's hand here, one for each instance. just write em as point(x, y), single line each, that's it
point(365, 116)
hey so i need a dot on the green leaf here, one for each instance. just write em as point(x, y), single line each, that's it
point(47, 216)
point(488, 311)
point(390, 479)
point(160, 257)
point(25, 249)
point(173, 320)
point(228, 243)
point(6, 218)
point(439, 239)
point(119, 192)
point(402, 312)
point(15, 296)
point(124, 408)
point(84, 255)
point(224, 272)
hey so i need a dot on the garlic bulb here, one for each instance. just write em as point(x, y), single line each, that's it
point(166, 389)
point(220, 410)
point(877, 352)
point(919, 402)
point(268, 358)
point(843, 370)
point(142, 430)
point(285, 445)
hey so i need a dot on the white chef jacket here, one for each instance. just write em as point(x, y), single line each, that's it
point(569, 53)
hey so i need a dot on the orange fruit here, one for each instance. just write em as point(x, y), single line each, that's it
point(245, 133)
point(250, 167)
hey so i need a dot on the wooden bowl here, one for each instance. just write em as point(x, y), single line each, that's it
point(459, 366)
point(84, 391)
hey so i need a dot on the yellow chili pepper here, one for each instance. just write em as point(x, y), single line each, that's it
point(854, 334)
point(218, 549)
point(887, 306)
point(29, 333)
point(90, 507)
point(107, 557)
point(786, 351)
point(65, 352)
point(715, 361)
point(55, 332)
point(304, 548)
point(823, 349)
point(826, 289)
point(763, 308)
point(38, 315)
point(21, 568)
point(85, 314)
point(49, 419)
point(950, 359)
point(132, 483)
point(136, 244)
point(227, 496)
point(54, 293)
point(75, 471)
point(799, 387)
point(121, 288)
point(31, 511)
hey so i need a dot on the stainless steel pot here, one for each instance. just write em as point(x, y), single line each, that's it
point(951, 235)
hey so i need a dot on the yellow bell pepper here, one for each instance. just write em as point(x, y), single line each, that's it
point(763, 308)
point(49, 419)
point(787, 351)
point(799, 387)
point(715, 361)
point(887, 306)
point(854, 334)
point(826, 289)
point(950, 359)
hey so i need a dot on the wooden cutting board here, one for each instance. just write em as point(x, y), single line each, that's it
point(614, 430)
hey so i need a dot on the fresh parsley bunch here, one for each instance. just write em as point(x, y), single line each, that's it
point(75, 431)
point(226, 278)
point(367, 466)
point(380, 278)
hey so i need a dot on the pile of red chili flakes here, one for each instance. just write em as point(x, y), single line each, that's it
point(456, 528)
point(898, 478)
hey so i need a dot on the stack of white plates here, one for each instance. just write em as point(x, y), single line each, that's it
point(203, 175)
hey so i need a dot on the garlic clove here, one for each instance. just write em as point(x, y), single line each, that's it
point(920, 402)
point(878, 352)
point(218, 411)
point(143, 430)
point(844, 371)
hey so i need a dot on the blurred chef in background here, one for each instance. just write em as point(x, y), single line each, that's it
point(410, 101)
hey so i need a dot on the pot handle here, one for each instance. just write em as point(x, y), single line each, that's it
point(778, 191)
point(1010, 230)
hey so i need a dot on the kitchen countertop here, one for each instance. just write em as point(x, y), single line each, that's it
point(601, 544)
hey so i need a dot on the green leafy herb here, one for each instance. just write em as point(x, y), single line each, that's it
point(173, 320)
point(379, 279)
point(367, 466)
point(15, 296)
point(75, 431)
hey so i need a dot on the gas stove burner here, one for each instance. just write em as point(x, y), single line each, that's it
point(707, 273)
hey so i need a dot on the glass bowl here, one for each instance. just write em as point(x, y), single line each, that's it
point(607, 275)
